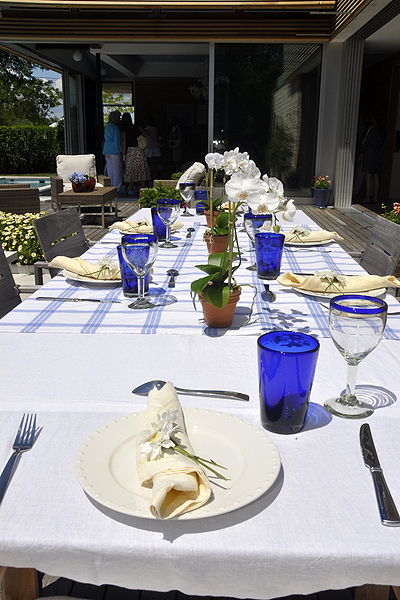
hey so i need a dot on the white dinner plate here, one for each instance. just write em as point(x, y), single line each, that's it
point(105, 463)
point(305, 244)
point(374, 293)
point(83, 279)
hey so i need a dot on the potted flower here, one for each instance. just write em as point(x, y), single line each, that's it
point(322, 190)
point(394, 214)
point(82, 182)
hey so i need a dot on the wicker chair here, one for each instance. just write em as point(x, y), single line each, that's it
point(67, 164)
point(19, 199)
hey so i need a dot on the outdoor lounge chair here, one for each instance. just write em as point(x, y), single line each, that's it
point(69, 163)
point(19, 198)
point(59, 234)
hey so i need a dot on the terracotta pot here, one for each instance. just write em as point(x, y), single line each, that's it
point(78, 187)
point(208, 217)
point(90, 185)
point(220, 317)
point(215, 243)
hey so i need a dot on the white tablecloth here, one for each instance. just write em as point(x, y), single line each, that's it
point(176, 315)
point(317, 528)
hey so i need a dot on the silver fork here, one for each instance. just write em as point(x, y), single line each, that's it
point(23, 442)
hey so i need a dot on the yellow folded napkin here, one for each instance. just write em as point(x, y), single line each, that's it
point(346, 284)
point(140, 226)
point(104, 269)
point(179, 484)
point(310, 237)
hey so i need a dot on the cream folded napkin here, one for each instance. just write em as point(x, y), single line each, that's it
point(140, 226)
point(179, 484)
point(353, 284)
point(104, 269)
point(313, 236)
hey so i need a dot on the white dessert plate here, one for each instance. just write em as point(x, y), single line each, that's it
point(105, 463)
point(90, 280)
point(373, 293)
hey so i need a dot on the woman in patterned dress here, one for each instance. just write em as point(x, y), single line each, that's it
point(136, 166)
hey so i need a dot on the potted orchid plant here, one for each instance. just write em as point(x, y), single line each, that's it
point(243, 185)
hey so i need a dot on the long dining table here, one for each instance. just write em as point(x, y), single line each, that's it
point(316, 527)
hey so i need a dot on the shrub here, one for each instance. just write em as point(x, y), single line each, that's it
point(29, 148)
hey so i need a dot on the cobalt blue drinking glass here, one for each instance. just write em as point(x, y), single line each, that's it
point(201, 201)
point(269, 249)
point(168, 211)
point(159, 228)
point(129, 279)
point(253, 224)
point(139, 252)
point(286, 367)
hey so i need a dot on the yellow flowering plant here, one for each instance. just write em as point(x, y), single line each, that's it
point(17, 233)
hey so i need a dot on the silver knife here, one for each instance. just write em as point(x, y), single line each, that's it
point(50, 299)
point(387, 507)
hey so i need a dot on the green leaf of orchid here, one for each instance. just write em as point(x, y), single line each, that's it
point(198, 285)
point(217, 296)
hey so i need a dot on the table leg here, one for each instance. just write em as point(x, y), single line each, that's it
point(19, 584)
point(372, 592)
point(103, 221)
point(116, 206)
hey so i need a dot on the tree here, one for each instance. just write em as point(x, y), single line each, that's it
point(24, 99)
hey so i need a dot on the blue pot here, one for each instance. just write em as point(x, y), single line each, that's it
point(322, 197)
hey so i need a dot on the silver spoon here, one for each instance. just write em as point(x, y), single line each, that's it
point(267, 295)
point(172, 274)
point(307, 249)
point(143, 390)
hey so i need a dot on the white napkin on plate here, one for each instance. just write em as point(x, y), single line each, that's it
point(321, 235)
point(85, 268)
point(179, 484)
point(140, 226)
point(354, 284)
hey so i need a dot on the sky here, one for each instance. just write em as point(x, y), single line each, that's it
point(55, 79)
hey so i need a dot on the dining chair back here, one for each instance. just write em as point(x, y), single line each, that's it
point(59, 234)
point(9, 293)
point(382, 252)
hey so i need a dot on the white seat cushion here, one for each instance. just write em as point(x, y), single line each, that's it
point(195, 174)
point(68, 163)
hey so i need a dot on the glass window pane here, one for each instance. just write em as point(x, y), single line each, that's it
point(266, 103)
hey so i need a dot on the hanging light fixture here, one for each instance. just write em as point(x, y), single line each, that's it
point(77, 55)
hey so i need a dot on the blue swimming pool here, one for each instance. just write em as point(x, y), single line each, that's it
point(38, 182)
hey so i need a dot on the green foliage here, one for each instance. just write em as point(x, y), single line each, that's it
point(394, 214)
point(150, 196)
point(29, 149)
point(24, 99)
point(176, 175)
point(214, 287)
point(279, 151)
point(17, 233)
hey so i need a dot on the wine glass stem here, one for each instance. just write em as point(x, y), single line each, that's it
point(140, 282)
point(168, 233)
point(350, 396)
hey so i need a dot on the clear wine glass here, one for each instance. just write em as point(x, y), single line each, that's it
point(254, 223)
point(139, 252)
point(356, 324)
point(168, 211)
point(187, 191)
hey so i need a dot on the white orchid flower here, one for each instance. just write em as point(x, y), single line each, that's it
point(233, 159)
point(290, 211)
point(266, 203)
point(243, 189)
point(215, 161)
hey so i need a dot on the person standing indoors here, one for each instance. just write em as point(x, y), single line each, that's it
point(371, 158)
point(136, 166)
point(112, 150)
point(152, 151)
point(175, 142)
